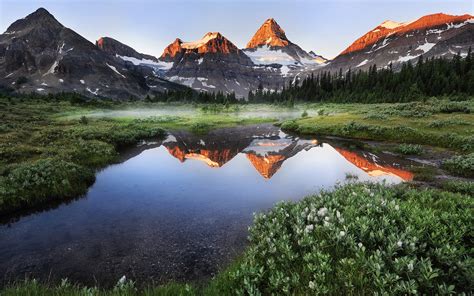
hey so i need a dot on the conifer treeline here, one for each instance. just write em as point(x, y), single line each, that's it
point(429, 77)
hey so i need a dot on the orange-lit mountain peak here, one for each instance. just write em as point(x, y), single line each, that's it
point(212, 42)
point(213, 158)
point(270, 34)
point(100, 42)
point(266, 165)
point(388, 28)
point(373, 169)
point(177, 152)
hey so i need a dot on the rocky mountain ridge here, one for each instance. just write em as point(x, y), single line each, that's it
point(38, 54)
point(393, 43)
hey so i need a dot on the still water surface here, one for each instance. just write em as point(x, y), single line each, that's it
point(179, 209)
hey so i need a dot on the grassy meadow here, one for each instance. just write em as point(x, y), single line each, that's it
point(359, 239)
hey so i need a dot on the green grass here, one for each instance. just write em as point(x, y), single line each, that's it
point(50, 150)
point(437, 123)
point(360, 239)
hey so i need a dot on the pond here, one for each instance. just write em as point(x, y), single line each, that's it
point(179, 209)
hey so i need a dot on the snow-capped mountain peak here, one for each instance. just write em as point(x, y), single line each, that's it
point(270, 46)
point(212, 42)
point(198, 43)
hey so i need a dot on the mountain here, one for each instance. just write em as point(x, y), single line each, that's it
point(393, 43)
point(39, 54)
point(213, 64)
point(128, 54)
point(270, 45)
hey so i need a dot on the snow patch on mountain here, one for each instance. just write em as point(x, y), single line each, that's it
point(95, 92)
point(391, 24)
point(183, 80)
point(200, 42)
point(115, 70)
point(426, 47)
point(145, 62)
point(407, 58)
point(52, 68)
point(285, 70)
point(363, 63)
point(266, 56)
point(456, 26)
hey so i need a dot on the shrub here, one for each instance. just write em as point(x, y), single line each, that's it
point(361, 239)
point(304, 114)
point(443, 123)
point(115, 134)
point(200, 127)
point(464, 187)
point(451, 107)
point(409, 149)
point(376, 116)
point(83, 120)
point(91, 153)
point(34, 182)
point(289, 125)
point(461, 165)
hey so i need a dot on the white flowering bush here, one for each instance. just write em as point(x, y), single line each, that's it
point(361, 239)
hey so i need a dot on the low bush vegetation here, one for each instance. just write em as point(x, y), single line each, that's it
point(464, 187)
point(409, 149)
point(461, 165)
point(31, 183)
point(361, 239)
point(289, 125)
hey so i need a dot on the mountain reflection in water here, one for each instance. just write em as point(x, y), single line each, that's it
point(266, 149)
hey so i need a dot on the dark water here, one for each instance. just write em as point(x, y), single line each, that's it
point(179, 210)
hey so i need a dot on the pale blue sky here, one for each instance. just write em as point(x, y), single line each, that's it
point(326, 27)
